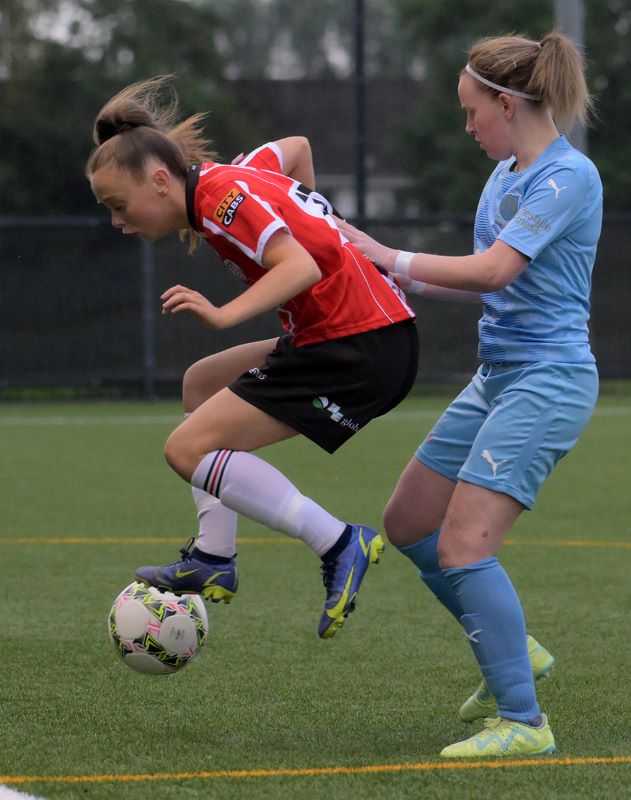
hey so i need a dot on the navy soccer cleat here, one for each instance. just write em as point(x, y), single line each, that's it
point(343, 575)
point(213, 580)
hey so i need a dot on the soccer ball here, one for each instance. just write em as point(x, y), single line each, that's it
point(156, 632)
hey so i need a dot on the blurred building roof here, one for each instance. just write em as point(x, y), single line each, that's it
point(324, 110)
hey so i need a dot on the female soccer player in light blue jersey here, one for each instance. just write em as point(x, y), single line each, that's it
point(536, 230)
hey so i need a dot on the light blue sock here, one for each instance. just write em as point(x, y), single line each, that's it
point(424, 555)
point(494, 623)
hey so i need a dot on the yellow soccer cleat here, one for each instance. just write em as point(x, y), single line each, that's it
point(505, 738)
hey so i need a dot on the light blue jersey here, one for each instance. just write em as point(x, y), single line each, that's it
point(537, 386)
point(551, 212)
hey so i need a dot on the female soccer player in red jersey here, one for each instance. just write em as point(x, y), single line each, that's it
point(349, 353)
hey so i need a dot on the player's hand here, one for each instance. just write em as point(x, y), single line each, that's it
point(237, 159)
point(179, 298)
point(371, 248)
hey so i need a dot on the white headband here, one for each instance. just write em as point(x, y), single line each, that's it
point(496, 86)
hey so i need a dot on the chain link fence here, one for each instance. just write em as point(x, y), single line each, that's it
point(80, 307)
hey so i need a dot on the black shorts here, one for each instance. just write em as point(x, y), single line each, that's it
point(330, 390)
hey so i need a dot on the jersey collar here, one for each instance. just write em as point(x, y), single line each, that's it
point(192, 178)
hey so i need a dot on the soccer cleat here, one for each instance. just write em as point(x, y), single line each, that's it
point(343, 576)
point(482, 703)
point(213, 581)
point(505, 737)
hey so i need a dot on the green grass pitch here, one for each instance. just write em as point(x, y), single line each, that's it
point(268, 710)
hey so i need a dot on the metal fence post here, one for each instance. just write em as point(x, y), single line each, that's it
point(569, 18)
point(148, 271)
point(360, 116)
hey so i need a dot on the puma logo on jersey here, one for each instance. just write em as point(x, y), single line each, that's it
point(557, 190)
point(495, 465)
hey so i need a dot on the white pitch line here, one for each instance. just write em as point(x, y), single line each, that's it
point(11, 794)
point(172, 419)
point(402, 413)
point(130, 419)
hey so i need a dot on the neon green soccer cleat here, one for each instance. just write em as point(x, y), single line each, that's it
point(505, 737)
point(482, 703)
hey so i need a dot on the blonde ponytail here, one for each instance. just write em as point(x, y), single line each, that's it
point(559, 78)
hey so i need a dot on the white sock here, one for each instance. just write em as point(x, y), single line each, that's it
point(217, 525)
point(217, 534)
point(250, 486)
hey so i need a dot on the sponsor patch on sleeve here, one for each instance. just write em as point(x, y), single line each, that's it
point(228, 207)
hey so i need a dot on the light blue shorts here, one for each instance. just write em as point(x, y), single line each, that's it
point(510, 426)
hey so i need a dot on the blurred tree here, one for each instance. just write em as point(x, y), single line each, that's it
point(61, 62)
point(61, 59)
point(449, 166)
point(288, 39)
point(608, 40)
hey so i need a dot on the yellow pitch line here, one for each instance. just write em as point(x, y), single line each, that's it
point(277, 540)
point(274, 773)
point(566, 543)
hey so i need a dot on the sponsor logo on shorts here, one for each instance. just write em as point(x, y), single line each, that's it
point(335, 412)
point(258, 374)
point(227, 209)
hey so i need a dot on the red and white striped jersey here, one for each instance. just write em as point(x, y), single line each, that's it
point(237, 208)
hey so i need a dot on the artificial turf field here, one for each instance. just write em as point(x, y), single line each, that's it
point(268, 710)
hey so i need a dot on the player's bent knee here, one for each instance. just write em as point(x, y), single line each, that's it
point(399, 529)
point(178, 457)
point(390, 526)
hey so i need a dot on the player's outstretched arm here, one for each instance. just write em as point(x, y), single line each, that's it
point(290, 271)
point(298, 159)
point(431, 292)
point(489, 271)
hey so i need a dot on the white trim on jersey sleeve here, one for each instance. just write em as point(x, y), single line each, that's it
point(269, 145)
point(279, 155)
point(275, 225)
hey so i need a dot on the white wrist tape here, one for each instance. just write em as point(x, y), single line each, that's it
point(402, 262)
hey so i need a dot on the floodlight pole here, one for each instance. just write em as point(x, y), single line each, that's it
point(569, 18)
point(360, 115)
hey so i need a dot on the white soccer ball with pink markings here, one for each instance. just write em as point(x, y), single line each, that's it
point(156, 632)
